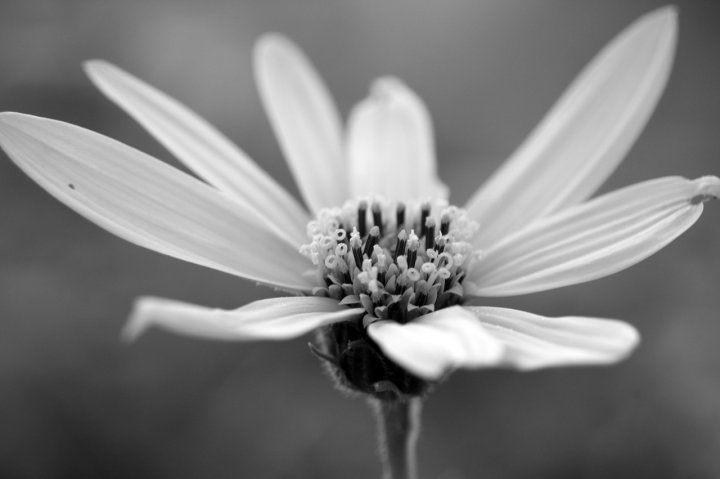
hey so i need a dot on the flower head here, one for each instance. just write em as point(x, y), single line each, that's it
point(383, 264)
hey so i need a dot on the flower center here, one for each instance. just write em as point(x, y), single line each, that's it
point(396, 261)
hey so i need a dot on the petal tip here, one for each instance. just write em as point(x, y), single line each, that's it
point(7, 116)
point(386, 86)
point(663, 21)
point(271, 44)
point(11, 121)
point(95, 66)
point(668, 13)
point(137, 322)
point(706, 188)
point(627, 338)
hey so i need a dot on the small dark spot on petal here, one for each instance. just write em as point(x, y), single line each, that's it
point(702, 198)
point(71, 186)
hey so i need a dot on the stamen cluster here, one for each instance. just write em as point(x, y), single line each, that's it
point(395, 261)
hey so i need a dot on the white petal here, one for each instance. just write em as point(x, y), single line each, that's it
point(148, 202)
point(532, 342)
point(586, 134)
point(305, 120)
point(267, 319)
point(203, 149)
point(436, 343)
point(391, 147)
point(594, 239)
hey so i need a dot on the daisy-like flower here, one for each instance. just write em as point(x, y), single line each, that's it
point(379, 262)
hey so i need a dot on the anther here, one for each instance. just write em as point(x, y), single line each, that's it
point(356, 246)
point(400, 216)
point(401, 243)
point(430, 233)
point(424, 213)
point(412, 253)
point(377, 216)
point(372, 240)
point(362, 211)
point(445, 224)
point(402, 262)
point(439, 243)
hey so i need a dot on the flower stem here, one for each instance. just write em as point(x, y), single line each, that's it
point(398, 431)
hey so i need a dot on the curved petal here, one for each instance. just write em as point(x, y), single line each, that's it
point(585, 135)
point(202, 148)
point(533, 342)
point(390, 147)
point(148, 202)
point(433, 344)
point(305, 120)
point(267, 319)
point(594, 239)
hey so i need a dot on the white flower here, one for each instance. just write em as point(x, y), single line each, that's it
point(530, 227)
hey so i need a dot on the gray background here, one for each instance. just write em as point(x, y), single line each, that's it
point(76, 403)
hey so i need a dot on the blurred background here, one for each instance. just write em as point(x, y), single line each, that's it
point(77, 403)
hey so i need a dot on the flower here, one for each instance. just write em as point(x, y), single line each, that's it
point(384, 264)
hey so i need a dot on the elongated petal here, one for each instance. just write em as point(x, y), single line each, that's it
point(391, 148)
point(585, 135)
point(532, 342)
point(436, 343)
point(594, 239)
point(202, 148)
point(148, 202)
point(305, 120)
point(267, 319)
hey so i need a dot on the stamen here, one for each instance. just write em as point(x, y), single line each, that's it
point(439, 243)
point(400, 216)
point(445, 224)
point(424, 213)
point(361, 212)
point(402, 263)
point(372, 240)
point(377, 217)
point(355, 244)
point(412, 249)
point(421, 294)
point(400, 247)
point(430, 233)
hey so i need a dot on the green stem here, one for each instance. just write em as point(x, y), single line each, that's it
point(398, 431)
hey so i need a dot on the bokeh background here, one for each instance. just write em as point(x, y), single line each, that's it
point(77, 403)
